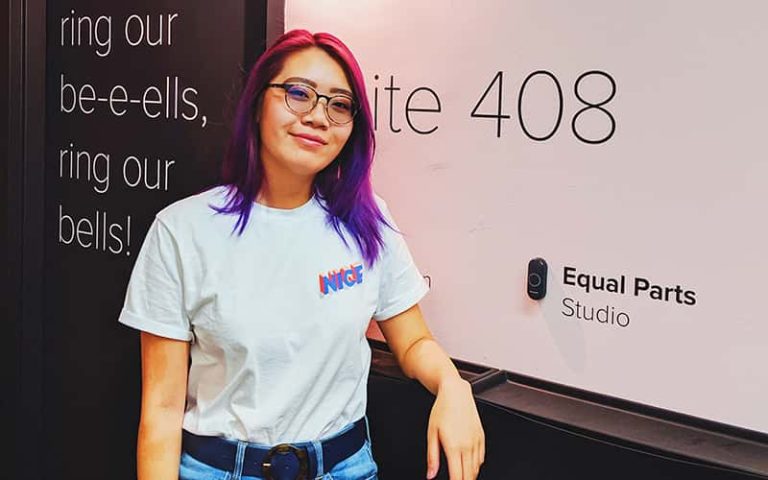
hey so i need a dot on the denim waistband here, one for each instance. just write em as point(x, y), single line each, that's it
point(278, 462)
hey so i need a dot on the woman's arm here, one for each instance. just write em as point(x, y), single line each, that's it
point(164, 364)
point(416, 351)
point(453, 422)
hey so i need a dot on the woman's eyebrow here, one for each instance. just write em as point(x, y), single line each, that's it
point(314, 85)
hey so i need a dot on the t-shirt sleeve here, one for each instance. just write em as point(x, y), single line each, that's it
point(402, 285)
point(154, 297)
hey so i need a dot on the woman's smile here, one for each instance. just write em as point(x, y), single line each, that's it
point(308, 140)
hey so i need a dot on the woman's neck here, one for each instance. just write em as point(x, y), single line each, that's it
point(284, 196)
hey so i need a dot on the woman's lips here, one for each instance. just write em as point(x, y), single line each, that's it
point(309, 140)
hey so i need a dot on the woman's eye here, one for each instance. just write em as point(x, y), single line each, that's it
point(342, 105)
point(298, 93)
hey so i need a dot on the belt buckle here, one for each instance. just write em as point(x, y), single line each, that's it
point(284, 449)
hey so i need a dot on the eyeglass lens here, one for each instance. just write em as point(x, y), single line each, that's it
point(302, 99)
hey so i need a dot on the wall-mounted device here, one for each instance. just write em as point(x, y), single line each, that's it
point(537, 278)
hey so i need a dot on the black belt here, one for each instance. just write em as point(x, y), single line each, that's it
point(282, 462)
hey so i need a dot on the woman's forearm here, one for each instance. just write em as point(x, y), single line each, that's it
point(159, 445)
point(428, 363)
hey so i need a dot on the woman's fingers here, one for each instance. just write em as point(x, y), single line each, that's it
point(468, 463)
point(476, 456)
point(455, 466)
point(433, 452)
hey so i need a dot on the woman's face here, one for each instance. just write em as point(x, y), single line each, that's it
point(302, 144)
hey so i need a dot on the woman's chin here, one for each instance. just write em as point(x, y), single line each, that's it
point(308, 169)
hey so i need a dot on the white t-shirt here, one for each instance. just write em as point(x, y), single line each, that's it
point(277, 316)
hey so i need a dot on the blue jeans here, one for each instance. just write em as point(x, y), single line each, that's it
point(358, 466)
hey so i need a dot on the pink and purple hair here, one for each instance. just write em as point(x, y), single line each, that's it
point(344, 185)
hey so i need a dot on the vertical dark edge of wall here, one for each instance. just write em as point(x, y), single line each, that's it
point(10, 245)
point(13, 201)
point(25, 205)
point(275, 19)
point(255, 35)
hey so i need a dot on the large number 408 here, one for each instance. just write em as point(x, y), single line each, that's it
point(498, 83)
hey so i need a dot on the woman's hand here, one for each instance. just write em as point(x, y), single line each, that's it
point(455, 424)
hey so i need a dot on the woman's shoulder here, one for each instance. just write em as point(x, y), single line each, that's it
point(384, 209)
point(381, 203)
point(193, 209)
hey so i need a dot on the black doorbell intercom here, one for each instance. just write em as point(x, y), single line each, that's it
point(537, 278)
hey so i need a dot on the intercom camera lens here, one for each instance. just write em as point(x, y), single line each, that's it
point(537, 278)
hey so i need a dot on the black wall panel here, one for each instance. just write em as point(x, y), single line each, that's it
point(168, 103)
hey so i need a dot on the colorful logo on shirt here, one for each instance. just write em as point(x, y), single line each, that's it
point(338, 279)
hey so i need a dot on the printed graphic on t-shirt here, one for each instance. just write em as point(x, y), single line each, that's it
point(336, 280)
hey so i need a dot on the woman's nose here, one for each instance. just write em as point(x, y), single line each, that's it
point(319, 114)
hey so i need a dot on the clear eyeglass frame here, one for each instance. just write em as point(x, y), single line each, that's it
point(314, 98)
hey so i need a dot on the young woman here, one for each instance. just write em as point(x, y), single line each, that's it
point(272, 308)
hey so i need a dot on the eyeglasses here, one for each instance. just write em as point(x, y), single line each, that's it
point(302, 99)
